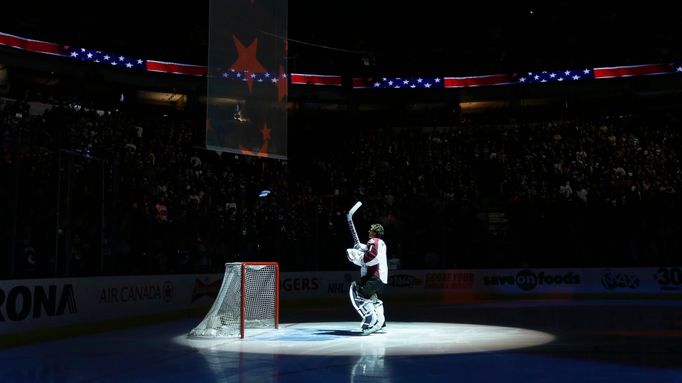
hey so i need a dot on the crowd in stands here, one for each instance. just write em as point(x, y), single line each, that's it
point(88, 192)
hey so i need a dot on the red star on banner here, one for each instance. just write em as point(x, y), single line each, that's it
point(263, 152)
point(265, 132)
point(247, 60)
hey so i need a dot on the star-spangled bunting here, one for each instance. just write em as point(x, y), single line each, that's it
point(123, 61)
point(100, 57)
point(558, 76)
point(399, 83)
point(263, 77)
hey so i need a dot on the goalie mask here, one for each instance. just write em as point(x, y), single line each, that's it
point(377, 229)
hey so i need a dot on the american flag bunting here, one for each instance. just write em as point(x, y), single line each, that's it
point(398, 82)
point(555, 76)
point(128, 62)
point(111, 59)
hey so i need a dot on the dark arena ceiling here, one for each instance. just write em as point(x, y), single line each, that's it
point(432, 37)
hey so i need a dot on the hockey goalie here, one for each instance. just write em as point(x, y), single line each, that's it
point(364, 296)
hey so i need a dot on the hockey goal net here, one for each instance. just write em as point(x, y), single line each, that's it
point(248, 298)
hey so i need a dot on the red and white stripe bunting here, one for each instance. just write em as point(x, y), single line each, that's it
point(32, 45)
point(315, 79)
point(176, 68)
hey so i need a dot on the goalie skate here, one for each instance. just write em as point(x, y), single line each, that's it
point(366, 330)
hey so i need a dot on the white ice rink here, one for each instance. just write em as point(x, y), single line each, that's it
point(507, 342)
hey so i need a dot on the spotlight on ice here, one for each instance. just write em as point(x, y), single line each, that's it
point(264, 193)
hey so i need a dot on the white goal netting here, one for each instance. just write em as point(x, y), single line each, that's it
point(248, 298)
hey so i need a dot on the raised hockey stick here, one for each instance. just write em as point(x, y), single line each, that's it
point(349, 218)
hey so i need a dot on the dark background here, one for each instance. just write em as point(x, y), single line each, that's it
point(463, 38)
point(78, 197)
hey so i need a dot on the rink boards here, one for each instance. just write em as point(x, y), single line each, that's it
point(34, 305)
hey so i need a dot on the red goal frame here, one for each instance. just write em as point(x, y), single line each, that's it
point(243, 295)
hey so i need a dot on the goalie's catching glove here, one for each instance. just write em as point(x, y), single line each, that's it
point(355, 256)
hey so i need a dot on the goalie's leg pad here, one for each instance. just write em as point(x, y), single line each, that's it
point(370, 317)
point(364, 307)
point(355, 299)
point(378, 320)
point(379, 309)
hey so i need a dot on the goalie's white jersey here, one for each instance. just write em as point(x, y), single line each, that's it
point(375, 260)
